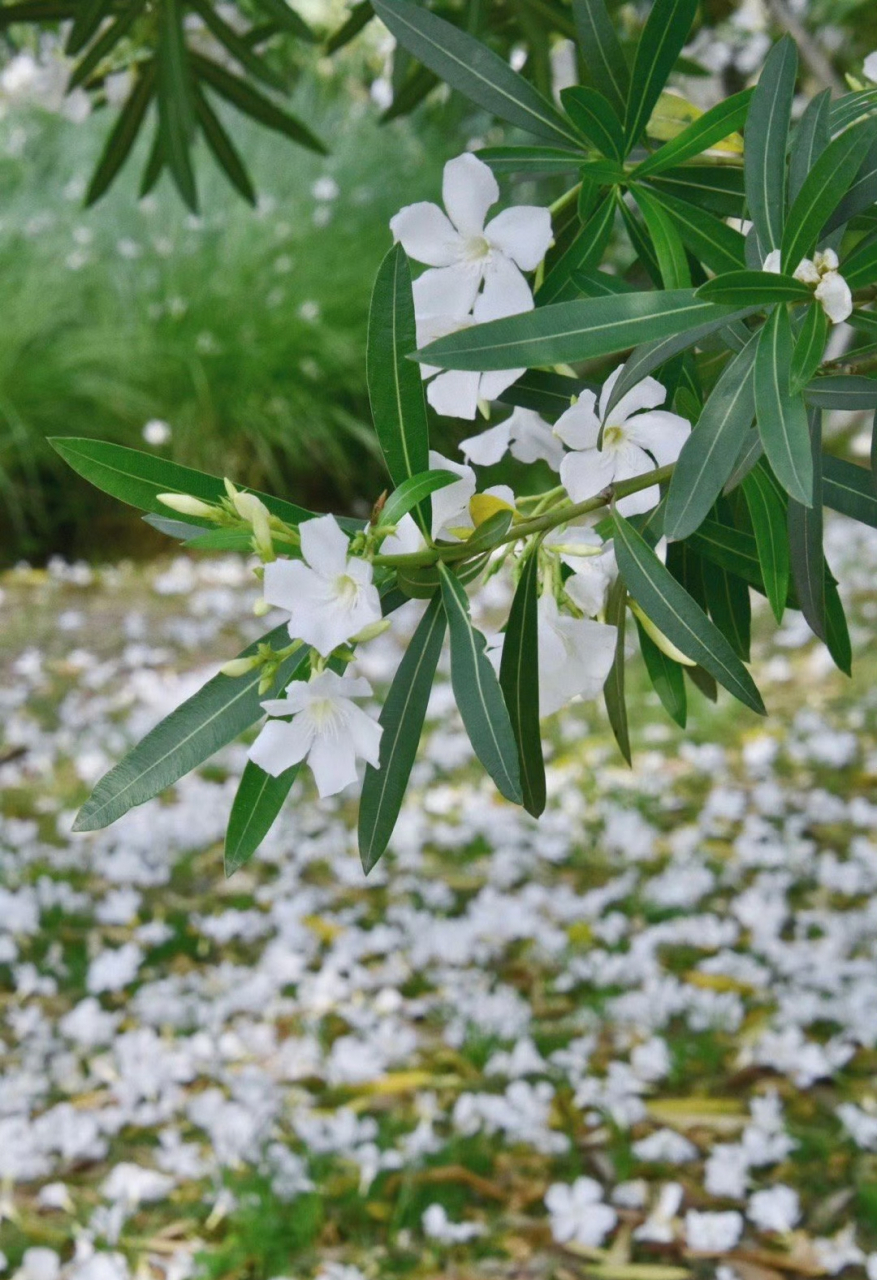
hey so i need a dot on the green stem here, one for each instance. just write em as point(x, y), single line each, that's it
point(562, 201)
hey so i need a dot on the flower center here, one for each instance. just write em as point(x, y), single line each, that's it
point(477, 248)
point(346, 590)
point(324, 715)
point(612, 437)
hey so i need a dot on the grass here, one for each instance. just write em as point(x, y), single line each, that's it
point(243, 330)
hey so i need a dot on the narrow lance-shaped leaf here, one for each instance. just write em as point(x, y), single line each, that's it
point(727, 598)
point(822, 190)
point(613, 689)
point(224, 151)
point(394, 384)
point(602, 52)
point(586, 250)
point(668, 246)
point(852, 392)
point(123, 134)
point(719, 189)
point(667, 677)
point(214, 716)
point(713, 126)
point(849, 489)
point(90, 14)
point(477, 693)
point(176, 111)
point(105, 43)
point(673, 612)
point(861, 266)
point(767, 131)
point(805, 541)
point(245, 98)
point(530, 160)
point(812, 135)
point(709, 453)
point(659, 46)
point(809, 348)
point(768, 515)
point(782, 418)
point(258, 800)
point(412, 491)
point(861, 196)
point(519, 681)
point(402, 718)
point(593, 116)
point(566, 332)
point(476, 71)
point(759, 288)
point(837, 635)
point(712, 241)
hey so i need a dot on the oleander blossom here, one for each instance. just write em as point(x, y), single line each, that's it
point(524, 434)
point(328, 595)
point(458, 246)
point(637, 437)
point(592, 562)
point(578, 1214)
point(575, 656)
point(870, 67)
point(327, 729)
point(820, 272)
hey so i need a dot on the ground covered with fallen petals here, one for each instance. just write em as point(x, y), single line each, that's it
point(637, 1040)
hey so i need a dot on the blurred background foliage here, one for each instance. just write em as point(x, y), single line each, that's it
point(233, 339)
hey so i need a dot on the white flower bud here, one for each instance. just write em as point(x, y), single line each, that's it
point(772, 263)
point(371, 631)
point(186, 505)
point(807, 272)
point(665, 645)
point(239, 667)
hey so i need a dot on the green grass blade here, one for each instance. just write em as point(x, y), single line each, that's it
point(519, 681)
point(478, 694)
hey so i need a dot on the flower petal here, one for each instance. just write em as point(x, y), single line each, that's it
point(324, 545)
point(532, 439)
point(333, 763)
point(487, 447)
point(496, 381)
point(661, 432)
point(446, 292)
point(426, 235)
point(279, 746)
point(365, 734)
point(506, 292)
point(834, 294)
point(468, 190)
point(579, 426)
point(454, 394)
point(647, 394)
point(586, 472)
point(522, 233)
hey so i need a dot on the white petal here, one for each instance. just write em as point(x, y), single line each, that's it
point(454, 394)
point(807, 272)
point(586, 473)
point(496, 381)
point(636, 504)
point(279, 746)
point(333, 762)
point(329, 684)
point(324, 545)
point(445, 292)
point(647, 394)
point(834, 294)
point(579, 426)
point(365, 734)
point(587, 587)
point(406, 540)
point(532, 438)
point(450, 506)
point(426, 235)
point(773, 262)
point(506, 292)
point(825, 260)
point(522, 233)
point(282, 581)
point(502, 491)
point(661, 432)
point(468, 190)
point(870, 67)
point(488, 447)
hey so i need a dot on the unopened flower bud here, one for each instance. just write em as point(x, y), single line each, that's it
point(261, 607)
point(239, 667)
point(371, 631)
point(254, 511)
point(665, 645)
point(230, 489)
point(186, 505)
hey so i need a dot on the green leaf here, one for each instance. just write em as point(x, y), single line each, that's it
point(602, 52)
point(767, 131)
point(852, 106)
point(782, 418)
point(254, 104)
point(717, 245)
point(90, 14)
point(594, 118)
point(490, 533)
point(768, 515)
point(674, 613)
point(421, 583)
point(409, 95)
point(713, 126)
point(359, 17)
point(660, 44)
point(805, 541)
point(703, 682)
point(823, 188)
point(600, 284)
point(412, 491)
point(861, 196)
point(478, 694)
point(224, 150)
point(123, 134)
point(534, 161)
point(258, 800)
point(395, 387)
point(566, 332)
point(668, 246)
point(666, 676)
point(585, 251)
point(519, 681)
point(281, 12)
point(105, 44)
point(136, 478)
point(213, 717)
point(730, 549)
point(402, 718)
point(642, 243)
point(476, 71)
point(548, 393)
point(758, 288)
point(613, 689)
point(154, 166)
point(237, 46)
point(812, 135)
point(849, 489)
point(176, 110)
point(837, 637)
point(719, 189)
point(729, 607)
point(843, 391)
point(708, 455)
point(809, 348)
point(861, 266)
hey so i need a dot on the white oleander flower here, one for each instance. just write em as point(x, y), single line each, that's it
point(406, 540)
point(327, 729)
point(774, 1209)
point(821, 272)
point(328, 595)
point(592, 562)
point(458, 246)
point(450, 506)
point(637, 437)
point(578, 1214)
point(441, 308)
point(438, 1226)
point(660, 1226)
point(526, 435)
point(870, 67)
point(575, 656)
point(712, 1232)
